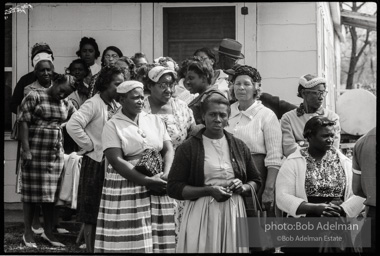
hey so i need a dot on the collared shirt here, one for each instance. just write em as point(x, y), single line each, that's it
point(260, 129)
point(133, 138)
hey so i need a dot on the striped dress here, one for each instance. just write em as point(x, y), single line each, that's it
point(44, 116)
point(130, 220)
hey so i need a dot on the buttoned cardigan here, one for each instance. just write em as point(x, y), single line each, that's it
point(188, 164)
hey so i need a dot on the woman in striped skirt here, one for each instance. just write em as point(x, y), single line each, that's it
point(85, 127)
point(130, 218)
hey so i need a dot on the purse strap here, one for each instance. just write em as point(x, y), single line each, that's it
point(254, 196)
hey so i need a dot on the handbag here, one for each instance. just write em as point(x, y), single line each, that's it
point(150, 164)
point(254, 209)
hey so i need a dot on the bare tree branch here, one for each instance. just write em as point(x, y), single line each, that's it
point(360, 6)
point(366, 42)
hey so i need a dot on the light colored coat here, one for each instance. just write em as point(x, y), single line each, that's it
point(290, 186)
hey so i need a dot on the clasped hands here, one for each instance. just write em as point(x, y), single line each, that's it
point(329, 210)
point(221, 194)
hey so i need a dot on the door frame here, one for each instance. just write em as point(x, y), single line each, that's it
point(246, 37)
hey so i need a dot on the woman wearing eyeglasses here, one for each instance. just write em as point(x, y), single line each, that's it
point(109, 58)
point(312, 90)
point(175, 113)
point(316, 181)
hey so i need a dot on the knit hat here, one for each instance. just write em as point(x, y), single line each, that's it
point(127, 86)
point(309, 81)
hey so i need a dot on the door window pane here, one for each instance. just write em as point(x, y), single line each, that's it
point(189, 28)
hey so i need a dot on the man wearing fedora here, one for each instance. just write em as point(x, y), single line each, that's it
point(229, 54)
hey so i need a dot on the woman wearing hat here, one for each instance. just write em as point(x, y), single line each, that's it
point(132, 217)
point(175, 113)
point(312, 90)
point(259, 128)
point(18, 93)
point(85, 127)
point(42, 113)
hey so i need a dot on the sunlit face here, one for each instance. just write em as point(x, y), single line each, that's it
point(216, 117)
point(164, 88)
point(133, 102)
point(124, 66)
point(203, 56)
point(140, 62)
point(78, 71)
point(314, 96)
point(244, 89)
point(87, 53)
point(44, 72)
point(110, 58)
point(194, 82)
point(324, 139)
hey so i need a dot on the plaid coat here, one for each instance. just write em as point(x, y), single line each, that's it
point(44, 116)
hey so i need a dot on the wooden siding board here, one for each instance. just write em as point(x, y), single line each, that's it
point(10, 196)
point(285, 88)
point(286, 13)
point(125, 17)
point(286, 64)
point(286, 38)
point(146, 36)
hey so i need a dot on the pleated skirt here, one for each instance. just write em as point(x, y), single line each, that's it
point(208, 226)
point(133, 221)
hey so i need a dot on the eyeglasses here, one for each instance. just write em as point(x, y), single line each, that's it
point(114, 56)
point(317, 92)
point(165, 86)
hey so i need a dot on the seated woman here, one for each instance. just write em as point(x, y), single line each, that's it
point(85, 128)
point(211, 172)
point(42, 113)
point(132, 218)
point(312, 90)
point(316, 181)
point(259, 128)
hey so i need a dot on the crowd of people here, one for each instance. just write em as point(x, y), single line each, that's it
point(170, 151)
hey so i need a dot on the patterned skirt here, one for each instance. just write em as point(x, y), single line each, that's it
point(131, 220)
point(41, 175)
